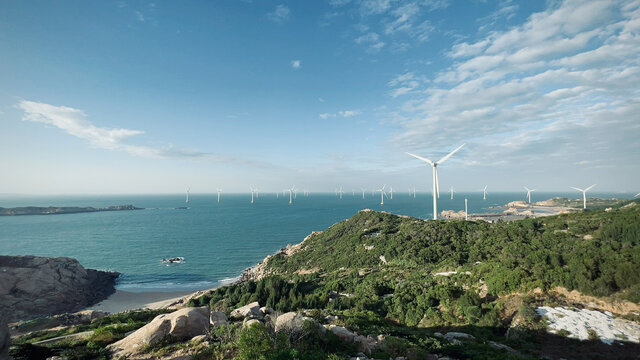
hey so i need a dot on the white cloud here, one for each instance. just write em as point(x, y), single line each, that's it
point(74, 122)
point(343, 113)
point(280, 14)
point(296, 64)
point(372, 40)
point(566, 81)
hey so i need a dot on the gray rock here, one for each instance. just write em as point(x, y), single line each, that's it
point(248, 322)
point(181, 324)
point(292, 322)
point(249, 310)
point(500, 346)
point(5, 339)
point(265, 310)
point(33, 286)
point(218, 318)
point(343, 333)
point(458, 335)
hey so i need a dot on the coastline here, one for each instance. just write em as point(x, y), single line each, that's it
point(123, 300)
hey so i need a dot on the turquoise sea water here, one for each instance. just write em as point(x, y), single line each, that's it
point(218, 241)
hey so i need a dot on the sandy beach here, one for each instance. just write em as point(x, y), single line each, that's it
point(128, 300)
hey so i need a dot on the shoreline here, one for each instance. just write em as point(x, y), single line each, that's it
point(122, 300)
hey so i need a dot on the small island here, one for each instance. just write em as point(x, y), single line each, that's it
point(56, 210)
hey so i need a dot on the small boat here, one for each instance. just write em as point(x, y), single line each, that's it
point(174, 260)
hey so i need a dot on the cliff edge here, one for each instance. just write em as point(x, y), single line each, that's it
point(33, 286)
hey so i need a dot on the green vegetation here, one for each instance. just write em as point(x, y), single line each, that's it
point(378, 274)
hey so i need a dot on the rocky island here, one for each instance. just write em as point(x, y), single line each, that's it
point(56, 210)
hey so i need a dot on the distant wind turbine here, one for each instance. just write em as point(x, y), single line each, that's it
point(219, 191)
point(436, 188)
point(529, 191)
point(584, 194)
point(391, 192)
point(340, 192)
point(363, 190)
point(451, 192)
point(187, 200)
point(252, 192)
point(414, 192)
point(291, 194)
point(382, 194)
point(484, 193)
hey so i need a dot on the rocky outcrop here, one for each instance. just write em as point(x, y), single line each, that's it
point(56, 210)
point(32, 286)
point(260, 270)
point(250, 310)
point(4, 339)
point(181, 324)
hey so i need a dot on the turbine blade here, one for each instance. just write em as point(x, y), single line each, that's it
point(421, 158)
point(575, 188)
point(449, 155)
point(526, 188)
point(589, 188)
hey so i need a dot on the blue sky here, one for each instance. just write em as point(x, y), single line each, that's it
point(154, 97)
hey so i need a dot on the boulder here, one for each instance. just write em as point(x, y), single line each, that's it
point(218, 318)
point(292, 322)
point(265, 310)
point(248, 322)
point(181, 324)
point(343, 333)
point(4, 339)
point(250, 310)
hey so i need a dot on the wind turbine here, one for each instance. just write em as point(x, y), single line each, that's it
point(414, 192)
point(484, 193)
point(219, 191)
point(363, 190)
point(529, 191)
point(451, 192)
point(187, 200)
point(636, 195)
point(584, 194)
point(391, 192)
point(436, 188)
point(340, 192)
point(382, 194)
point(291, 194)
point(252, 192)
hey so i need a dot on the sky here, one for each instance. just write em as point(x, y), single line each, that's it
point(127, 97)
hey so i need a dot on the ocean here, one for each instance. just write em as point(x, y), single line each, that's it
point(218, 241)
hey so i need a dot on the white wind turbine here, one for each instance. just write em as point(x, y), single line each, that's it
point(414, 192)
point(391, 192)
point(636, 195)
point(363, 190)
point(293, 188)
point(187, 200)
point(451, 192)
point(340, 192)
point(253, 191)
point(436, 188)
point(484, 193)
point(529, 191)
point(219, 191)
point(382, 194)
point(584, 194)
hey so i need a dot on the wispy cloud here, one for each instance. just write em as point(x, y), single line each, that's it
point(139, 16)
point(567, 79)
point(280, 14)
point(296, 64)
point(343, 113)
point(74, 122)
point(371, 40)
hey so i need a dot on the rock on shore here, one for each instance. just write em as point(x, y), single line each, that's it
point(33, 286)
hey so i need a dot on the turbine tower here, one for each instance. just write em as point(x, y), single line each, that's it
point(451, 192)
point(382, 194)
point(391, 192)
point(252, 192)
point(529, 191)
point(187, 200)
point(219, 191)
point(363, 190)
point(436, 188)
point(340, 192)
point(291, 194)
point(484, 193)
point(584, 194)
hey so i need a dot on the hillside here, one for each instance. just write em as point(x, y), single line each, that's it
point(428, 289)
